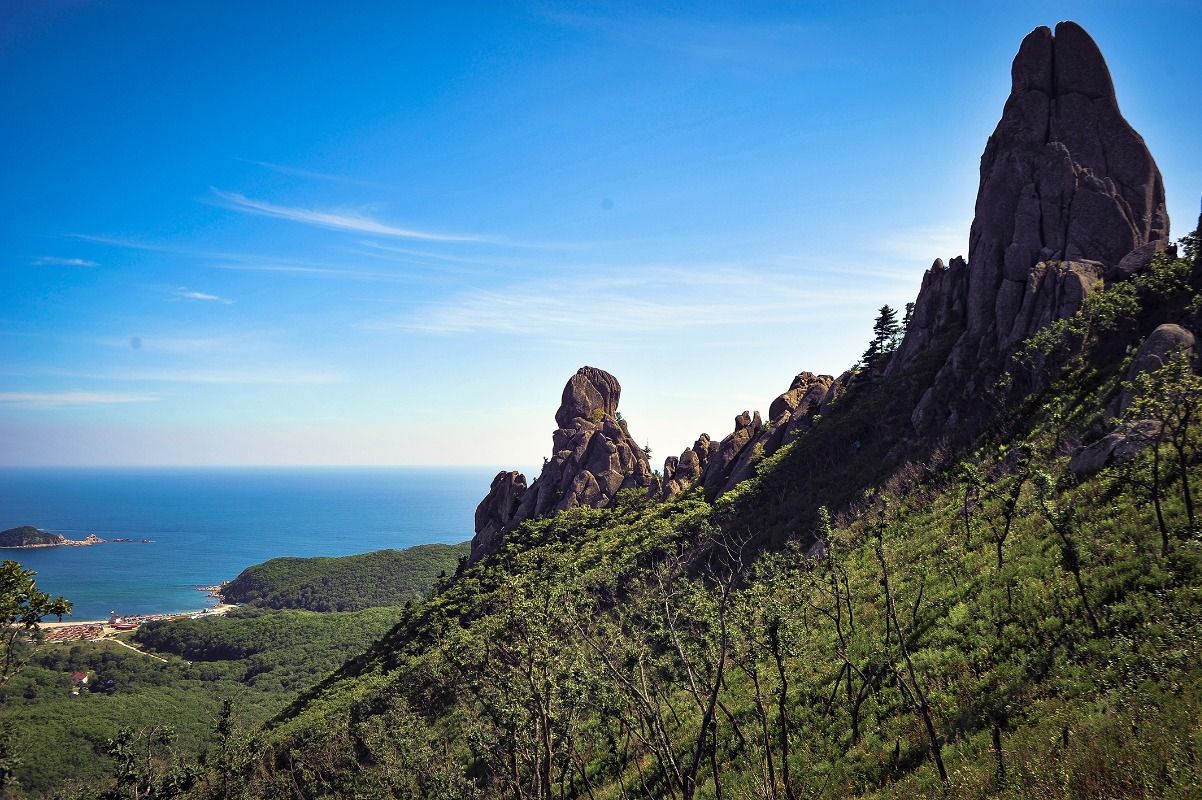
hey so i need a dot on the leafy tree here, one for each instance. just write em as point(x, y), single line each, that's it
point(1170, 397)
point(147, 767)
point(22, 607)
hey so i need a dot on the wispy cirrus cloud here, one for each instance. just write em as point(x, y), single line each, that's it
point(184, 293)
point(311, 174)
point(55, 261)
point(334, 219)
point(251, 375)
point(64, 399)
point(636, 302)
point(305, 269)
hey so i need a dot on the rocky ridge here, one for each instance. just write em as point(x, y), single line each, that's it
point(1069, 199)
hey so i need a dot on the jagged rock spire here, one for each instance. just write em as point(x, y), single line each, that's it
point(1069, 198)
point(593, 458)
point(1064, 177)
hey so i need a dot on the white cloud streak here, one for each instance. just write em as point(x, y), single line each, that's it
point(184, 293)
point(55, 261)
point(299, 172)
point(300, 269)
point(44, 400)
point(334, 220)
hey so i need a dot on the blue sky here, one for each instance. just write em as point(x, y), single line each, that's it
point(293, 233)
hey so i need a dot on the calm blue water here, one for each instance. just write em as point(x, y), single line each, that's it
point(210, 524)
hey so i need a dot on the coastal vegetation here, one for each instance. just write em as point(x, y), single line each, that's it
point(258, 659)
point(255, 657)
point(992, 628)
point(346, 583)
point(987, 625)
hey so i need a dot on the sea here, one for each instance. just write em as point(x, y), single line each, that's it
point(208, 524)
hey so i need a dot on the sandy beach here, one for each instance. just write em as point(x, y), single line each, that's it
point(108, 630)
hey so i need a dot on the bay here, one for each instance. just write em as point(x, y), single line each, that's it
point(208, 524)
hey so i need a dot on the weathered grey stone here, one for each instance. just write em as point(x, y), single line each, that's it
point(722, 461)
point(1154, 352)
point(1054, 290)
point(1068, 194)
point(1117, 447)
point(589, 392)
point(1139, 260)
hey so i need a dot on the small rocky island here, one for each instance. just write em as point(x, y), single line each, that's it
point(28, 536)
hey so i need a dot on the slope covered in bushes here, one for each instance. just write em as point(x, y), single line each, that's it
point(988, 624)
point(346, 583)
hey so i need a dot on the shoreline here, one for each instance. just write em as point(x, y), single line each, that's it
point(213, 591)
point(217, 610)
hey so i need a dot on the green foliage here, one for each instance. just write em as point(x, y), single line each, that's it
point(261, 657)
point(146, 766)
point(22, 607)
point(347, 583)
point(865, 617)
point(273, 650)
point(1103, 312)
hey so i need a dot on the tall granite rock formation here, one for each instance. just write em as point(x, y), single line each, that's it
point(593, 458)
point(1069, 198)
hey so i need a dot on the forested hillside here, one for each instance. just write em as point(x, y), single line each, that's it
point(346, 583)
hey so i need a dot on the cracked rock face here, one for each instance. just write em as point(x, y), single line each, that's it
point(1069, 198)
point(1064, 177)
point(497, 510)
point(593, 458)
point(733, 460)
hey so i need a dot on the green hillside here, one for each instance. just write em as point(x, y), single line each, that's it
point(346, 583)
point(981, 626)
point(28, 536)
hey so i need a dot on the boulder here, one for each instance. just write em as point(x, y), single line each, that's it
point(590, 393)
point(681, 473)
point(1160, 345)
point(1139, 259)
point(717, 472)
point(1117, 447)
